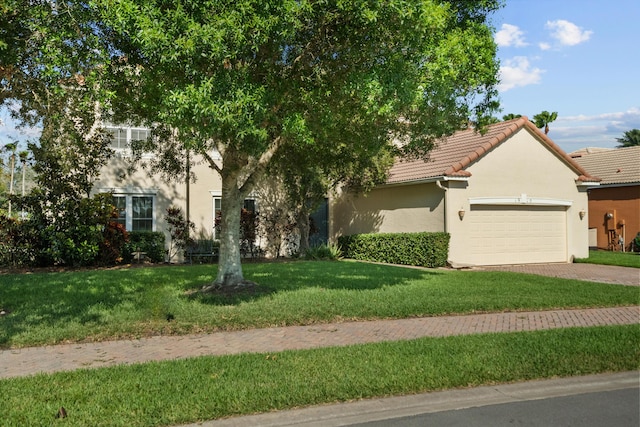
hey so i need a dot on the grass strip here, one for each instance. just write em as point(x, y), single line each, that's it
point(622, 259)
point(129, 303)
point(191, 390)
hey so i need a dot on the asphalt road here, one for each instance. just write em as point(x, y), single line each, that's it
point(611, 400)
point(603, 409)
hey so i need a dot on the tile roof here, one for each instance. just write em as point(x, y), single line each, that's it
point(616, 166)
point(454, 154)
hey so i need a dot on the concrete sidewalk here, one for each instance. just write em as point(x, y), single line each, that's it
point(27, 361)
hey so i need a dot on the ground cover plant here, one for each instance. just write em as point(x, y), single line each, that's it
point(622, 259)
point(90, 305)
point(191, 390)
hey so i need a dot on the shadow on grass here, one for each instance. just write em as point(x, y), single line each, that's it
point(86, 298)
point(79, 303)
point(291, 276)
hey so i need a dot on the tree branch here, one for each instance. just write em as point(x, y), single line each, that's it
point(255, 168)
point(212, 163)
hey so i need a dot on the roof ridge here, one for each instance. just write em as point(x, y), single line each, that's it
point(487, 146)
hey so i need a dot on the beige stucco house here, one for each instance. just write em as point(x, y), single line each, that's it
point(510, 196)
point(143, 198)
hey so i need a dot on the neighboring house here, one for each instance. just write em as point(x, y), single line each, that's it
point(614, 206)
point(510, 196)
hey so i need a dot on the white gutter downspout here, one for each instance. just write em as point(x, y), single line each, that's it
point(446, 205)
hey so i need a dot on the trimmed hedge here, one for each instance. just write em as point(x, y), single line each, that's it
point(149, 242)
point(420, 249)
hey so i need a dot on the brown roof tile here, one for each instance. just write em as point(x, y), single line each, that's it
point(454, 154)
point(618, 166)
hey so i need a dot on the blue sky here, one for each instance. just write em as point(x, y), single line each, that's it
point(580, 58)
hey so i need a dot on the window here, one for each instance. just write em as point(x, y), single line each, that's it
point(121, 204)
point(121, 137)
point(118, 138)
point(135, 212)
point(142, 217)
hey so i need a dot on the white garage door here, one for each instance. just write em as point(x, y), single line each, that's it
point(517, 235)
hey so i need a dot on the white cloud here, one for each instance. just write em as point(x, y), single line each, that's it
point(517, 72)
point(598, 130)
point(544, 46)
point(631, 116)
point(567, 33)
point(510, 35)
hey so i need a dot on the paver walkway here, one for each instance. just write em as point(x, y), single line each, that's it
point(26, 361)
point(590, 272)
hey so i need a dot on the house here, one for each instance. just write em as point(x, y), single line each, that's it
point(143, 198)
point(614, 205)
point(509, 196)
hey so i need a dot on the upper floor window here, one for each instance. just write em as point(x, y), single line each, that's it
point(121, 137)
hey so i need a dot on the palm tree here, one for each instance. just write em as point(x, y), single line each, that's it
point(24, 158)
point(543, 119)
point(631, 138)
point(11, 147)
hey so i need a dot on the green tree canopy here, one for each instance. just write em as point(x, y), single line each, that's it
point(511, 116)
point(630, 138)
point(253, 79)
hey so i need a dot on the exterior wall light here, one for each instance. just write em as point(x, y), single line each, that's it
point(582, 213)
point(461, 213)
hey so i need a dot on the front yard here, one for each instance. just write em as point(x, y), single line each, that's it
point(48, 308)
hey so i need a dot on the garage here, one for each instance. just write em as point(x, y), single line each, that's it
point(509, 195)
point(517, 234)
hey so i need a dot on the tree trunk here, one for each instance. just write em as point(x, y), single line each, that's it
point(229, 262)
point(303, 228)
point(13, 166)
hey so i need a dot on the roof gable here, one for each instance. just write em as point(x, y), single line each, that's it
point(453, 155)
point(616, 166)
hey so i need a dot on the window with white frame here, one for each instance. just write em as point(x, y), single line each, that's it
point(121, 137)
point(136, 211)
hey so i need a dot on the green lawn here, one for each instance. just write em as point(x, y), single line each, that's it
point(622, 259)
point(192, 390)
point(48, 308)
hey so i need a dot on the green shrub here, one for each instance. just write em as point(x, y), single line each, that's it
point(420, 249)
point(149, 242)
point(77, 233)
point(18, 243)
point(324, 252)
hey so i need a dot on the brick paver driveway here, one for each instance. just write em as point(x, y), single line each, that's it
point(590, 272)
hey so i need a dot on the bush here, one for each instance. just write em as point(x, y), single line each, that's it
point(79, 233)
point(18, 243)
point(115, 237)
point(420, 249)
point(330, 252)
point(149, 242)
point(179, 231)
